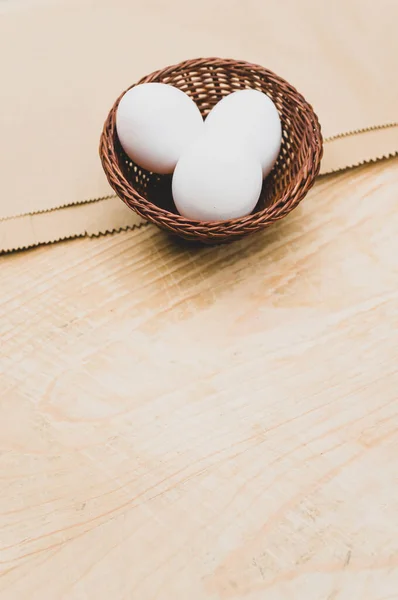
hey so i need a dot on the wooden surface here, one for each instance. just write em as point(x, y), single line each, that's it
point(180, 423)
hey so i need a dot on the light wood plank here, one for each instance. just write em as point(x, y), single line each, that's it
point(217, 423)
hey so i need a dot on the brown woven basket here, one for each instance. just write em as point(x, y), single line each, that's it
point(207, 81)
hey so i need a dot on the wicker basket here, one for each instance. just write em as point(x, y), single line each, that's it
point(207, 81)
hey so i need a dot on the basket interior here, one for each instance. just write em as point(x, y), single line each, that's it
point(206, 85)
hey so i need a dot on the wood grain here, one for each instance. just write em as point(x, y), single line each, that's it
point(206, 423)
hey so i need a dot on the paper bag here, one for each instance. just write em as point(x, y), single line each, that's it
point(63, 63)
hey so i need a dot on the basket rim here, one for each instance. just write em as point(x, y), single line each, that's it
point(150, 211)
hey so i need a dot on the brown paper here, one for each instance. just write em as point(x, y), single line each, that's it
point(63, 62)
point(90, 219)
point(356, 149)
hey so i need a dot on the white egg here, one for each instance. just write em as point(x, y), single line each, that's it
point(155, 124)
point(253, 116)
point(216, 179)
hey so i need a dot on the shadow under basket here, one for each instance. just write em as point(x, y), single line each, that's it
point(207, 81)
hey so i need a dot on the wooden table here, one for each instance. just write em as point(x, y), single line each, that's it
point(179, 423)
